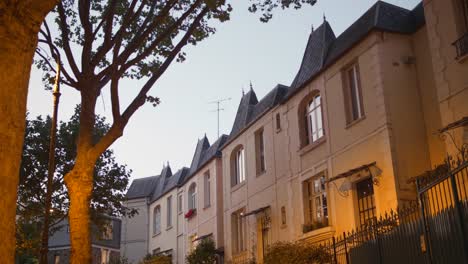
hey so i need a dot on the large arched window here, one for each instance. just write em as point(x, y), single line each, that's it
point(157, 220)
point(192, 196)
point(238, 166)
point(311, 119)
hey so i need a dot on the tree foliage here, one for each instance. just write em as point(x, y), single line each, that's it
point(296, 253)
point(204, 253)
point(110, 178)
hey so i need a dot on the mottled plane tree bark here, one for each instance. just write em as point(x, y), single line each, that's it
point(20, 21)
point(101, 42)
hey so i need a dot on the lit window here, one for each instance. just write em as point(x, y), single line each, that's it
point(192, 196)
point(157, 220)
point(57, 259)
point(105, 256)
point(260, 151)
point(353, 94)
point(366, 201)
point(239, 232)
point(107, 233)
point(315, 203)
point(314, 119)
point(238, 166)
point(207, 189)
point(169, 211)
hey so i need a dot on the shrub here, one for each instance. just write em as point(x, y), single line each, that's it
point(204, 253)
point(149, 259)
point(296, 253)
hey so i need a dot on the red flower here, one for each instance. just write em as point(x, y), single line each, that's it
point(190, 213)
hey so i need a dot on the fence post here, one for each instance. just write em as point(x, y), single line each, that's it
point(458, 209)
point(425, 226)
point(376, 234)
point(334, 250)
point(345, 248)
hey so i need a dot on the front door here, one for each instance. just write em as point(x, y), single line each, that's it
point(263, 234)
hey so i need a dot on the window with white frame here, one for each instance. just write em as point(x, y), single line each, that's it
point(169, 211)
point(192, 196)
point(238, 166)
point(157, 220)
point(239, 231)
point(352, 93)
point(315, 203)
point(314, 119)
point(260, 151)
point(207, 189)
point(180, 203)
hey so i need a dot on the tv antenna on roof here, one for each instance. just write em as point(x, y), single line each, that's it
point(218, 108)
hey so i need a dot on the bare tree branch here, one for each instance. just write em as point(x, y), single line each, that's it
point(66, 41)
point(84, 10)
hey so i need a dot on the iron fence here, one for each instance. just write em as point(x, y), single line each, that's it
point(430, 230)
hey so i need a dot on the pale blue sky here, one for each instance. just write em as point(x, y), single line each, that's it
point(242, 50)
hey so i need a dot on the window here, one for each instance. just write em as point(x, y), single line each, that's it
point(278, 122)
point(239, 232)
point(157, 220)
point(169, 211)
point(283, 215)
point(237, 166)
point(179, 203)
point(156, 251)
point(107, 232)
point(366, 201)
point(207, 189)
point(310, 118)
point(192, 242)
point(260, 151)
point(57, 259)
point(315, 203)
point(105, 255)
point(352, 93)
point(314, 119)
point(192, 196)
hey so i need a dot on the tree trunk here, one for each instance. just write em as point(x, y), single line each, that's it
point(19, 24)
point(79, 182)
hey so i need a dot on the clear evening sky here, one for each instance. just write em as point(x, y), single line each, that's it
point(242, 50)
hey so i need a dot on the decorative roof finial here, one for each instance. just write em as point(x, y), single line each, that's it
point(251, 87)
point(312, 27)
point(243, 93)
point(168, 164)
point(324, 17)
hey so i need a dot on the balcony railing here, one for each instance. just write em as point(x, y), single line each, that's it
point(461, 45)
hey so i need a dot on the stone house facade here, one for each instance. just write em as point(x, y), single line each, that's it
point(341, 144)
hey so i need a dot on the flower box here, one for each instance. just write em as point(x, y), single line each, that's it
point(191, 213)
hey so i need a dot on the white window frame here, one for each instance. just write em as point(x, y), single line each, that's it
point(314, 116)
point(260, 151)
point(157, 220)
point(239, 222)
point(180, 200)
point(240, 165)
point(207, 189)
point(316, 200)
point(355, 108)
point(192, 196)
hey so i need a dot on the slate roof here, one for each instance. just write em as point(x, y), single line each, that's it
point(168, 182)
point(203, 154)
point(323, 48)
point(250, 109)
point(142, 187)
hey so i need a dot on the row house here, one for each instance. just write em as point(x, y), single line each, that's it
point(333, 150)
point(176, 210)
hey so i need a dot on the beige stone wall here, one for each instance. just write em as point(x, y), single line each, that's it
point(396, 133)
point(208, 220)
point(135, 231)
point(449, 73)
